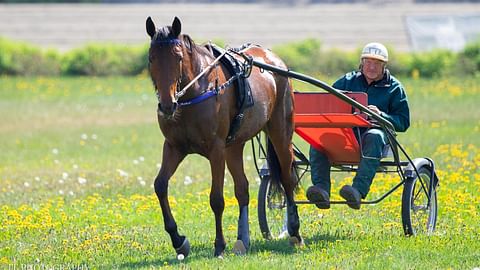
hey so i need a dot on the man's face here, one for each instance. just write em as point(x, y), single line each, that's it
point(372, 69)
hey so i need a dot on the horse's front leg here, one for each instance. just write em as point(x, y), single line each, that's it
point(217, 203)
point(171, 158)
point(234, 157)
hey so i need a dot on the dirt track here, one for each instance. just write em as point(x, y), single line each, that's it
point(344, 26)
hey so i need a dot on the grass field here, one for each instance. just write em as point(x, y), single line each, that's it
point(79, 155)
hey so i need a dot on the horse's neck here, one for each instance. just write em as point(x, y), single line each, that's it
point(200, 59)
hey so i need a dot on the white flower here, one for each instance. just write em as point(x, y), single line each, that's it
point(60, 192)
point(94, 136)
point(122, 173)
point(159, 165)
point(70, 193)
point(64, 175)
point(37, 178)
point(139, 178)
point(75, 166)
point(55, 151)
point(188, 180)
point(26, 184)
point(142, 183)
point(141, 158)
point(135, 161)
point(60, 181)
point(82, 180)
point(84, 136)
point(56, 161)
point(249, 157)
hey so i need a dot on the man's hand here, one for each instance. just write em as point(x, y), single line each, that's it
point(374, 109)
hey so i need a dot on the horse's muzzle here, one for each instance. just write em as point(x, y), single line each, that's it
point(167, 111)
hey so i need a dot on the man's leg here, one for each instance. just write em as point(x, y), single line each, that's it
point(320, 171)
point(373, 143)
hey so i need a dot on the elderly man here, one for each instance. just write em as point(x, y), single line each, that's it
point(386, 97)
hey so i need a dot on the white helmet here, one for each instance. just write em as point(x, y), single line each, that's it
point(375, 50)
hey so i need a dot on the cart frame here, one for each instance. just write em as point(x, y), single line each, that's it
point(417, 176)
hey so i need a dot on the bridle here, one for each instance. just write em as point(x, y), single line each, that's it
point(167, 42)
point(212, 91)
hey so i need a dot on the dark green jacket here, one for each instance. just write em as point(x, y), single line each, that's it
point(387, 94)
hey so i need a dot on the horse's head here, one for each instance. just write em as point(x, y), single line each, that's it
point(165, 63)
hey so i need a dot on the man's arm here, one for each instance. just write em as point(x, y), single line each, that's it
point(398, 111)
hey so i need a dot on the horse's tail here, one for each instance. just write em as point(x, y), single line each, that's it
point(273, 164)
point(275, 170)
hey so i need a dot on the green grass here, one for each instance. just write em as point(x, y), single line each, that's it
point(79, 155)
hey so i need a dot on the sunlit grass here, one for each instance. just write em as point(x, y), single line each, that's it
point(79, 155)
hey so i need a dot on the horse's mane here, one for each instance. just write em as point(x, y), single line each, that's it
point(162, 34)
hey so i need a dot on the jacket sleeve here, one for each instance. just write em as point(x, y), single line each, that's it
point(398, 111)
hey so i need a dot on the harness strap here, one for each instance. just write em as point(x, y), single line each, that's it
point(184, 90)
point(210, 92)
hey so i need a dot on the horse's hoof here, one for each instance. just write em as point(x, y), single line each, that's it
point(239, 248)
point(183, 250)
point(296, 241)
point(218, 255)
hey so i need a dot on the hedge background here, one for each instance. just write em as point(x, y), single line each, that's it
point(307, 56)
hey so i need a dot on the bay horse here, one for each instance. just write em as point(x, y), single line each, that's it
point(202, 127)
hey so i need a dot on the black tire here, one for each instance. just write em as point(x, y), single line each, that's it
point(417, 216)
point(272, 208)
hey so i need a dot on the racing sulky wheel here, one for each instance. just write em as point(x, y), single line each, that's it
point(272, 207)
point(419, 198)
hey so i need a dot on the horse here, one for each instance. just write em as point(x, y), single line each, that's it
point(202, 127)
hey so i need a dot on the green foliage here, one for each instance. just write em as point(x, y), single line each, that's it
point(433, 64)
point(468, 62)
point(102, 60)
point(17, 58)
point(306, 56)
point(399, 64)
point(301, 56)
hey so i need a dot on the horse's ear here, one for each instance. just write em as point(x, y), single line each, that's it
point(151, 30)
point(176, 26)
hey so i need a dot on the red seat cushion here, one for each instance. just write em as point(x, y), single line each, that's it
point(326, 122)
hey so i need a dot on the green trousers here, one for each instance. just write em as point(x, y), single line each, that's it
point(373, 142)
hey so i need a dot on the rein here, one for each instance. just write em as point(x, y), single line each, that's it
point(213, 91)
point(182, 92)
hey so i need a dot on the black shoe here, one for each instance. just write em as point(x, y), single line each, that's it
point(352, 196)
point(318, 196)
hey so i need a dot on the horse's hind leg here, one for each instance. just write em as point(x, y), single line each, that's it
point(283, 151)
point(170, 160)
point(234, 158)
point(280, 132)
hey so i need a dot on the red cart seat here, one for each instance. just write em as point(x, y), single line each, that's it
point(326, 122)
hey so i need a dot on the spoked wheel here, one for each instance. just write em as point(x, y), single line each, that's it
point(419, 213)
point(272, 209)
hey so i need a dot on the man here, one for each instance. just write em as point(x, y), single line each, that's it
point(386, 97)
